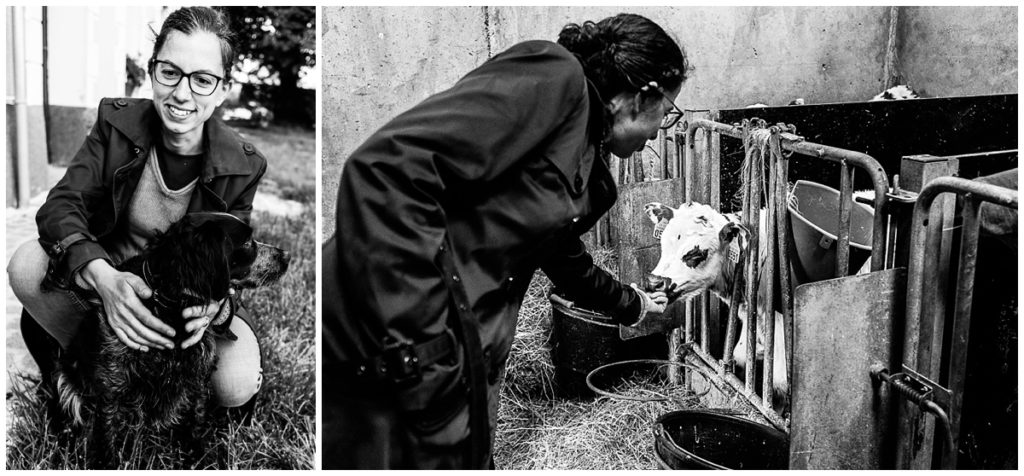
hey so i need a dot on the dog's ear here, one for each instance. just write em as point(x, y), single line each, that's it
point(238, 230)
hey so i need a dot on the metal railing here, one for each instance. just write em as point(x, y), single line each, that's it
point(924, 335)
point(700, 187)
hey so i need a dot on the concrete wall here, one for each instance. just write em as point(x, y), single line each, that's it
point(959, 51)
point(379, 61)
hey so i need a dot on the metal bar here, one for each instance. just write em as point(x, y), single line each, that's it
point(663, 154)
point(783, 231)
point(908, 453)
point(752, 215)
point(673, 356)
point(843, 231)
point(768, 382)
point(962, 320)
point(701, 357)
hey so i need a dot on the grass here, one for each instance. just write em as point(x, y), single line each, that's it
point(290, 152)
point(281, 434)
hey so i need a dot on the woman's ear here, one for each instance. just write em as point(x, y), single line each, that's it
point(623, 102)
point(222, 93)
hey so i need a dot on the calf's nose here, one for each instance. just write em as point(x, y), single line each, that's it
point(657, 283)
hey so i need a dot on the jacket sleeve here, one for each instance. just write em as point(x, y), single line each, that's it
point(242, 206)
point(391, 216)
point(572, 270)
point(63, 220)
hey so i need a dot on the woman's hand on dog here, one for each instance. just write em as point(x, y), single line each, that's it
point(120, 292)
point(200, 318)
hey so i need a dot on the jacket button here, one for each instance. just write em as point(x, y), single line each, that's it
point(248, 148)
point(137, 151)
point(578, 182)
point(121, 103)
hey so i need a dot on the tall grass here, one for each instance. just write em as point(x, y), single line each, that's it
point(282, 431)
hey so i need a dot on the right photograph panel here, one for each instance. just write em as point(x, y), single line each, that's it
point(666, 238)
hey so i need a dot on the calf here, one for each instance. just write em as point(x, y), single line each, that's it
point(699, 251)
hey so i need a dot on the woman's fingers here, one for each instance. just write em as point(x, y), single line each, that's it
point(208, 310)
point(129, 341)
point(197, 327)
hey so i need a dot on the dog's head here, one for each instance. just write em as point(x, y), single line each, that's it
point(199, 257)
point(193, 263)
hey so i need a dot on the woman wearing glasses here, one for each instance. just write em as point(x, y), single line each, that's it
point(445, 213)
point(142, 167)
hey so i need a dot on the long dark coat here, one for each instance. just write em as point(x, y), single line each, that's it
point(505, 167)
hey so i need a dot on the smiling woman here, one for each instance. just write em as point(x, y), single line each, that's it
point(145, 165)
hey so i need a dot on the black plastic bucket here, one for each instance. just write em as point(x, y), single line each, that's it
point(583, 340)
point(693, 439)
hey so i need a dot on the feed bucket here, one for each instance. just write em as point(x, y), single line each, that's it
point(583, 340)
point(694, 439)
point(814, 219)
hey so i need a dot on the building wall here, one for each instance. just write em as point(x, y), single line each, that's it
point(88, 47)
point(35, 126)
point(959, 51)
point(379, 61)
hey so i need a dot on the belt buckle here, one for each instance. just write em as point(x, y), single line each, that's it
point(401, 363)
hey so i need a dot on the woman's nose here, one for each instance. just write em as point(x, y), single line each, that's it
point(182, 91)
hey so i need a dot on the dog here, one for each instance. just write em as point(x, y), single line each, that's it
point(120, 391)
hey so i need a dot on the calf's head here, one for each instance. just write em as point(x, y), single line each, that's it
point(695, 242)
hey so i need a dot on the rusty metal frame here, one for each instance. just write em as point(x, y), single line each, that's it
point(780, 140)
point(915, 437)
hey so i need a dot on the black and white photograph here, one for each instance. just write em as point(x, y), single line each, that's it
point(672, 237)
point(160, 221)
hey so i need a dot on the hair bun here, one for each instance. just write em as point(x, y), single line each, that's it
point(585, 40)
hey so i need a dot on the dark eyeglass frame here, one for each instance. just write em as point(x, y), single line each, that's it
point(672, 117)
point(152, 68)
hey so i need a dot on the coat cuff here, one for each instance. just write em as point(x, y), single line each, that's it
point(81, 254)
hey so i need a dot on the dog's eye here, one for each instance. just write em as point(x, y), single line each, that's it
point(695, 257)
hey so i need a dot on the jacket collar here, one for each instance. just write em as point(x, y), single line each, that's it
point(222, 147)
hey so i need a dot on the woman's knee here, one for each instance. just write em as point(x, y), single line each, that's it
point(26, 270)
point(239, 373)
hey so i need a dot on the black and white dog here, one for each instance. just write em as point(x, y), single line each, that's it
point(120, 391)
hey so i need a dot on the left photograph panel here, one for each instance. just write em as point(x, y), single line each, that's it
point(160, 221)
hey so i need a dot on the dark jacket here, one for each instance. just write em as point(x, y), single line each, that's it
point(503, 166)
point(90, 202)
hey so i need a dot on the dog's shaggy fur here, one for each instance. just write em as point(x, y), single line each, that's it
point(120, 391)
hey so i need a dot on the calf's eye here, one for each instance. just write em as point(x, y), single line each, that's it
point(695, 257)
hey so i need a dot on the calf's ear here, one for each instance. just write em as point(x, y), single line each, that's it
point(658, 212)
point(729, 231)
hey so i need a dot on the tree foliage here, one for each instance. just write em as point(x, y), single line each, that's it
point(281, 40)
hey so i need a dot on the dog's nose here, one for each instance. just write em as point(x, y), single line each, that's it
point(657, 283)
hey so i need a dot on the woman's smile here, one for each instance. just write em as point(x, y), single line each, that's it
point(179, 112)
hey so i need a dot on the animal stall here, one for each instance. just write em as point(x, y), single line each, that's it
point(841, 347)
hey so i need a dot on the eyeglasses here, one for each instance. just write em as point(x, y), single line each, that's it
point(673, 116)
point(167, 74)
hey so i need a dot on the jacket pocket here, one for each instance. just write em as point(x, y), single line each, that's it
point(437, 404)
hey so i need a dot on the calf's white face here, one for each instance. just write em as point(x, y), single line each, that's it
point(694, 247)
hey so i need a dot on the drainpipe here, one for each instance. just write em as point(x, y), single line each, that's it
point(20, 106)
